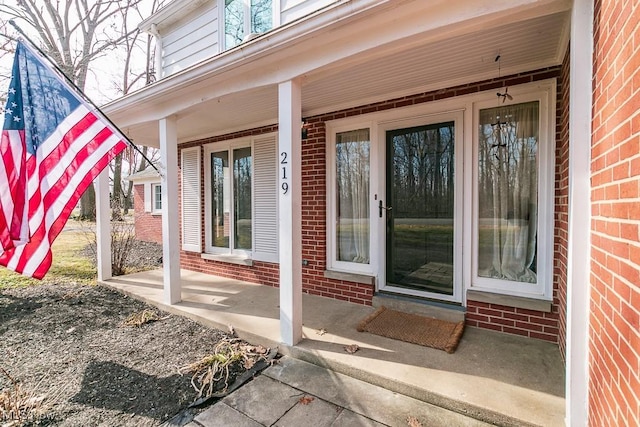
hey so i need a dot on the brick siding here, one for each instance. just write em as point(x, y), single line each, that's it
point(148, 227)
point(314, 239)
point(561, 228)
point(614, 332)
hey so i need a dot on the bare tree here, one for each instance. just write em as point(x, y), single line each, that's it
point(132, 45)
point(74, 33)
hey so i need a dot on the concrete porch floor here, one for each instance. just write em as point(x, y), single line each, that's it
point(497, 378)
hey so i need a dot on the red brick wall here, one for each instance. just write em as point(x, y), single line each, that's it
point(148, 227)
point(511, 320)
point(561, 230)
point(614, 332)
point(531, 323)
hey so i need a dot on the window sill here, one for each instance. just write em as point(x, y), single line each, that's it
point(156, 213)
point(229, 259)
point(510, 300)
point(350, 277)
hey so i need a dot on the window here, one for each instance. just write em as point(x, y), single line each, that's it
point(514, 204)
point(156, 194)
point(229, 207)
point(350, 248)
point(244, 17)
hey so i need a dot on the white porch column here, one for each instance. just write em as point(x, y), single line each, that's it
point(170, 234)
point(103, 226)
point(578, 256)
point(290, 211)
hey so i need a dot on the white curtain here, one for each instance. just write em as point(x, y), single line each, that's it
point(508, 193)
point(352, 180)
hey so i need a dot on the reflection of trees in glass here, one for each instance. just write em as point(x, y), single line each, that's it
point(240, 16)
point(507, 156)
point(352, 182)
point(242, 197)
point(508, 192)
point(261, 16)
point(233, 22)
point(219, 218)
point(423, 164)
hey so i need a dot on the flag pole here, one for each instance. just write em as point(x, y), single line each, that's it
point(54, 67)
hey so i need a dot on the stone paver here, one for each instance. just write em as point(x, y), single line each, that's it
point(222, 415)
point(263, 399)
point(294, 393)
point(348, 418)
point(316, 413)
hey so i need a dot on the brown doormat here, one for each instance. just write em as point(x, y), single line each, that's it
point(414, 328)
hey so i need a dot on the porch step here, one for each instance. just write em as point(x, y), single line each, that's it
point(470, 411)
point(436, 310)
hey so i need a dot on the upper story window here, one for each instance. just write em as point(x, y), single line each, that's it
point(244, 17)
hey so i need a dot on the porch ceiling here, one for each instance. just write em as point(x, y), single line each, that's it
point(404, 67)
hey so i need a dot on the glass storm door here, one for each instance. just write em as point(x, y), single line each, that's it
point(420, 210)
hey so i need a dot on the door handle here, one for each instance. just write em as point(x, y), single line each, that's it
point(381, 207)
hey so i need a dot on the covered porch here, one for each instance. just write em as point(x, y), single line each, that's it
point(498, 378)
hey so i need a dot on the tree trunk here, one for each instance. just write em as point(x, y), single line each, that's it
point(116, 201)
point(88, 205)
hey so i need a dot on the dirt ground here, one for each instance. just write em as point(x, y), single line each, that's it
point(67, 344)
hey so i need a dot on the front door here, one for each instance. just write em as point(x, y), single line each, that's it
point(419, 213)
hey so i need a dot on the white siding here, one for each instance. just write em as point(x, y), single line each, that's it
point(190, 175)
point(291, 10)
point(194, 39)
point(265, 196)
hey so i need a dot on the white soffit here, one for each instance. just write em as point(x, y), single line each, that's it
point(369, 77)
point(523, 46)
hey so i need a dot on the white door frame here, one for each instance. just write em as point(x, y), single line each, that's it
point(456, 116)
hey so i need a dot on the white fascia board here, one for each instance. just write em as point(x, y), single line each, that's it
point(142, 180)
point(351, 27)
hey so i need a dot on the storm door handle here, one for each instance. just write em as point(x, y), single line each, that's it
point(381, 208)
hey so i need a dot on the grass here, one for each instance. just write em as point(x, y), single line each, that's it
point(68, 266)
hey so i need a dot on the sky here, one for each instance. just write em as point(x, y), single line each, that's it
point(104, 77)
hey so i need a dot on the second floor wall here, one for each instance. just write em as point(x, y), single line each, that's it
point(189, 31)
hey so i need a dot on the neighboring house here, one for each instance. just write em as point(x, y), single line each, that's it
point(147, 205)
point(474, 153)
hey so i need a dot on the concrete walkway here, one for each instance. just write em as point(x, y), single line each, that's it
point(492, 377)
point(294, 393)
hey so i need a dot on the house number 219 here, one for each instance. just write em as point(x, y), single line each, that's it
point(285, 165)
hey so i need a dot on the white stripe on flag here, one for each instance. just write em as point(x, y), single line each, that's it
point(6, 198)
point(52, 142)
point(61, 201)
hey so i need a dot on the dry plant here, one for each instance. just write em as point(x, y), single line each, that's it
point(213, 372)
point(123, 238)
point(142, 317)
point(19, 406)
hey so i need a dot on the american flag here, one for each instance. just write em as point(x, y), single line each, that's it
point(54, 144)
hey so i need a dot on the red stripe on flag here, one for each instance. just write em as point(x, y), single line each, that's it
point(51, 160)
point(16, 180)
point(60, 222)
point(41, 204)
point(46, 236)
point(70, 168)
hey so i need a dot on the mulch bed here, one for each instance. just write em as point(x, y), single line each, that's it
point(68, 344)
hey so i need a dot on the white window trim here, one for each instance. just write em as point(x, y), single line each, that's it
point(154, 210)
point(545, 94)
point(228, 146)
point(545, 90)
point(332, 251)
point(222, 39)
